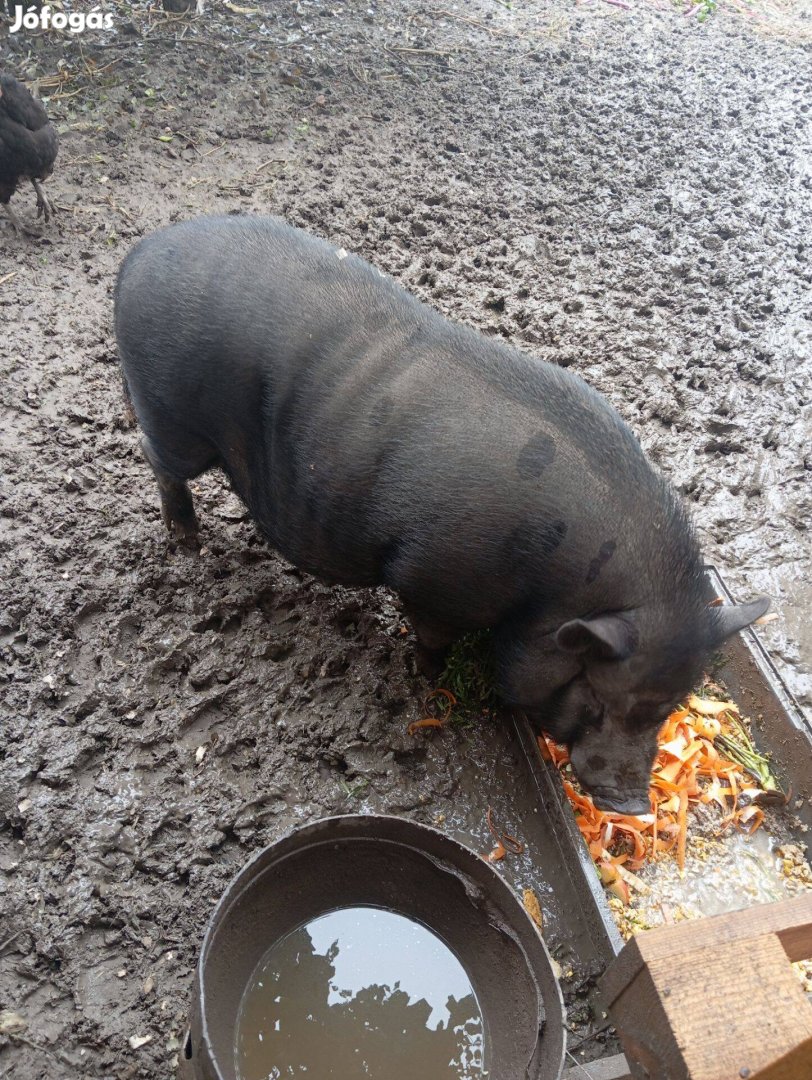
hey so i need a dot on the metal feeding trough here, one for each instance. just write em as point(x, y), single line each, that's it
point(388, 863)
point(779, 728)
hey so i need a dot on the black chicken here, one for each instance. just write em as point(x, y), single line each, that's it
point(28, 146)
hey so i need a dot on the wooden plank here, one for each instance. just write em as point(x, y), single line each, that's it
point(612, 1068)
point(797, 941)
point(725, 1009)
point(789, 920)
point(793, 1065)
point(645, 1031)
point(621, 975)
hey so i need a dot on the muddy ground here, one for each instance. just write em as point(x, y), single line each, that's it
point(626, 192)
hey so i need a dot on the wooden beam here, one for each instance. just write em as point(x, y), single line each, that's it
point(789, 920)
point(716, 1006)
point(792, 1066)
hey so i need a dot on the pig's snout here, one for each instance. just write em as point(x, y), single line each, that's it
point(615, 767)
point(631, 806)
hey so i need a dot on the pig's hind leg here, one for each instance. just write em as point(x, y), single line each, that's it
point(177, 508)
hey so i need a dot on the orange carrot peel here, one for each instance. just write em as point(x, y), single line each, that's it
point(431, 721)
point(504, 841)
point(689, 768)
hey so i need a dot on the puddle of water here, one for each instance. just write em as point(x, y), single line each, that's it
point(720, 876)
point(360, 994)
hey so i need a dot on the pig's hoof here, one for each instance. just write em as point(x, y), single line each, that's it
point(185, 536)
point(182, 530)
point(189, 540)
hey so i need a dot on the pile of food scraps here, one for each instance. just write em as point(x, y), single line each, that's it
point(706, 756)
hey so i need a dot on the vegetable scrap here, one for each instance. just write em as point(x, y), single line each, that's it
point(470, 673)
point(739, 748)
point(137, 1041)
point(706, 756)
point(532, 907)
point(442, 700)
point(504, 841)
point(468, 685)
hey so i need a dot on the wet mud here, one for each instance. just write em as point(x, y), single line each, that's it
point(625, 194)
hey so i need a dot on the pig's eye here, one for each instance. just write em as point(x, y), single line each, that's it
point(649, 713)
point(591, 712)
point(592, 702)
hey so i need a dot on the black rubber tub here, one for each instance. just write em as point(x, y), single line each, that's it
point(409, 869)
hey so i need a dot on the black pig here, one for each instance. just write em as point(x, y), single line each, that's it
point(375, 442)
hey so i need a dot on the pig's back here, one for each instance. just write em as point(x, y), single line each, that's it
point(370, 437)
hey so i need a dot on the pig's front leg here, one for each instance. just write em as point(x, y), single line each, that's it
point(433, 640)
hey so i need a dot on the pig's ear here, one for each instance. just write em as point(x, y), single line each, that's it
point(732, 618)
point(606, 637)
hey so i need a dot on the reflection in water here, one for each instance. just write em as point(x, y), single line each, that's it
point(360, 994)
